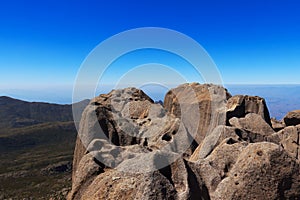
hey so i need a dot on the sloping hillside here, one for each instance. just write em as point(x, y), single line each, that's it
point(36, 146)
point(15, 113)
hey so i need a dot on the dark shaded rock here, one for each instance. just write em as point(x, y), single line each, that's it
point(159, 102)
point(239, 106)
point(292, 118)
point(57, 168)
point(14, 174)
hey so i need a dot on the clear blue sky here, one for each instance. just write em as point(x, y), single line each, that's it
point(44, 42)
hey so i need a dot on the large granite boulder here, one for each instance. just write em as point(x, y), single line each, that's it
point(116, 185)
point(261, 171)
point(207, 100)
point(239, 106)
point(292, 118)
point(242, 170)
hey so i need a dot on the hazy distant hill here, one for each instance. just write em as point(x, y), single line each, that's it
point(36, 148)
point(16, 113)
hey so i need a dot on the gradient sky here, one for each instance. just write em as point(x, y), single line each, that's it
point(44, 42)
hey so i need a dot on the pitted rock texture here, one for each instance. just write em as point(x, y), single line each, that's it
point(198, 146)
point(262, 171)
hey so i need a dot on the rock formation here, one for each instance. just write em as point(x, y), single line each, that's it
point(202, 144)
point(254, 125)
point(277, 125)
point(288, 138)
point(207, 99)
point(239, 106)
point(292, 118)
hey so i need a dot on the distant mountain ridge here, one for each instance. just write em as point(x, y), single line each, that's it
point(16, 113)
point(36, 143)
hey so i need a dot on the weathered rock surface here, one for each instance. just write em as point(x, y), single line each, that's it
point(123, 117)
point(262, 171)
point(87, 170)
point(239, 170)
point(277, 125)
point(143, 151)
point(255, 125)
point(216, 137)
point(126, 125)
point(207, 100)
point(292, 118)
point(215, 167)
point(289, 139)
point(116, 185)
point(239, 106)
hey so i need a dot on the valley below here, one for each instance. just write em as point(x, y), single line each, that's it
point(37, 142)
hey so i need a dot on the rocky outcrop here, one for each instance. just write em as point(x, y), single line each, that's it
point(277, 125)
point(254, 124)
point(289, 139)
point(205, 104)
point(116, 185)
point(129, 147)
point(292, 118)
point(126, 125)
point(102, 119)
point(261, 171)
point(239, 106)
point(239, 170)
point(217, 136)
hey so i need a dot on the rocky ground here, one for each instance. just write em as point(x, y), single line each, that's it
point(202, 143)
